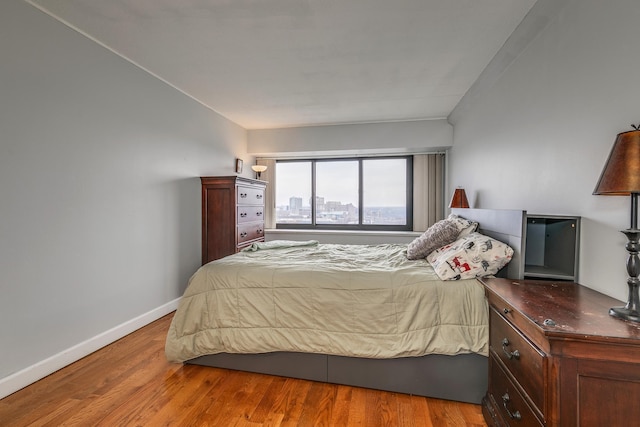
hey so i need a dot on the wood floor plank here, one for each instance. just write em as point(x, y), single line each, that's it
point(291, 401)
point(421, 411)
point(357, 412)
point(49, 419)
point(199, 396)
point(160, 400)
point(130, 383)
point(386, 404)
point(444, 414)
point(267, 402)
point(377, 408)
point(342, 405)
point(471, 416)
point(318, 406)
point(246, 397)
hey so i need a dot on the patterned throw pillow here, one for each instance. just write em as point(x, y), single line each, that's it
point(475, 255)
point(465, 226)
point(439, 234)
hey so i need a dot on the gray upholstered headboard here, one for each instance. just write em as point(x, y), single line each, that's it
point(508, 226)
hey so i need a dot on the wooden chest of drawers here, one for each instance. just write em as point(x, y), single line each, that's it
point(232, 215)
point(557, 358)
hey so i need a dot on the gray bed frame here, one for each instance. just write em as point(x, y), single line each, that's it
point(461, 378)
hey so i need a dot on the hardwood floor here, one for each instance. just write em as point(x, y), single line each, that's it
point(130, 383)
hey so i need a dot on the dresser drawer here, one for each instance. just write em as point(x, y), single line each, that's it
point(251, 231)
point(250, 214)
point(250, 195)
point(525, 362)
point(506, 398)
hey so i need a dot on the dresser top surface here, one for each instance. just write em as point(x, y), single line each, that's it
point(577, 311)
point(231, 180)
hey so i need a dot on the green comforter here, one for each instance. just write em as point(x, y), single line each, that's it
point(350, 300)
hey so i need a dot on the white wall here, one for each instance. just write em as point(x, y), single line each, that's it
point(538, 137)
point(353, 139)
point(99, 189)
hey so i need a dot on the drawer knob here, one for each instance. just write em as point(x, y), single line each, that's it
point(258, 196)
point(515, 354)
point(506, 310)
point(259, 213)
point(505, 402)
point(243, 214)
point(243, 234)
point(243, 195)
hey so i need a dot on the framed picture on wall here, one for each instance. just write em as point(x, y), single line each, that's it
point(238, 165)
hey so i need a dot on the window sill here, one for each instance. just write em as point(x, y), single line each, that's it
point(355, 237)
point(343, 232)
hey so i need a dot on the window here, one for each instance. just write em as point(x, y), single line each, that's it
point(293, 193)
point(352, 193)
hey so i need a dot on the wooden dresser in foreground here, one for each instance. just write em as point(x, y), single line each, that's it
point(232, 215)
point(557, 358)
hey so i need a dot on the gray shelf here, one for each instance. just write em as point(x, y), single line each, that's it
point(552, 244)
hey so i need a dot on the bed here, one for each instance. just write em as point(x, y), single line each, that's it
point(385, 323)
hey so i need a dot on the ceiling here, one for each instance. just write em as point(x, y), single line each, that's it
point(283, 63)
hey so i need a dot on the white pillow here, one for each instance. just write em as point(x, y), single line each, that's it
point(474, 255)
point(465, 226)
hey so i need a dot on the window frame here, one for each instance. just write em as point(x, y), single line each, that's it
point(363, 227)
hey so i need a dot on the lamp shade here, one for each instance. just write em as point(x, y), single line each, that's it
point(258, 169)
point(621, 173)
point(459, 199)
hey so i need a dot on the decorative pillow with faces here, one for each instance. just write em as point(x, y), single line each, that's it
point(474, 255)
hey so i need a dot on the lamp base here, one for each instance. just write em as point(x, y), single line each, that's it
point(625, 313)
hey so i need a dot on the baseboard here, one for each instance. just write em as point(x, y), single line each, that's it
point(33, 373)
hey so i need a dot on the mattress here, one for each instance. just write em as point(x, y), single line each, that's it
point(348, 300)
